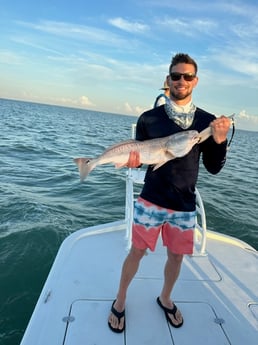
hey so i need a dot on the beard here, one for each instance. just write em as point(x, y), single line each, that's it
point(179, 95)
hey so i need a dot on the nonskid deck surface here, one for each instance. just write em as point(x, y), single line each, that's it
point(217, 295)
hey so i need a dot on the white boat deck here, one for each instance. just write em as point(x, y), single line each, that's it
point(217, 294)
point(217, 290)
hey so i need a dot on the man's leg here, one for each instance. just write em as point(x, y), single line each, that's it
point(171, 273)
point(129, 270)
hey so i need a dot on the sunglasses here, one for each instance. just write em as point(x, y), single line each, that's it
point(175, 76)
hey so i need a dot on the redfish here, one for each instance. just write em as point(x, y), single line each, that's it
point(154, 152)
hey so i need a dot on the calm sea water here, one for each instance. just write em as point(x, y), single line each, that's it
point(42, 201)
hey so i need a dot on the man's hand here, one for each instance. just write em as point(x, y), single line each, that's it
point(133, 160)
point(220, 128)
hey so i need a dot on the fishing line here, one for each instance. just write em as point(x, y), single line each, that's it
point(232, 117)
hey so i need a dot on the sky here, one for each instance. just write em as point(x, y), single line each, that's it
point(113, 56)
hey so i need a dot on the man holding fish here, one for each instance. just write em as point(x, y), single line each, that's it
point(166, 203)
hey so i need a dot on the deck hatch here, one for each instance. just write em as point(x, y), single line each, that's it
point(200, 323)
point(90, 324)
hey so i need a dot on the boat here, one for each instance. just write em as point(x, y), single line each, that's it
point(217, 290)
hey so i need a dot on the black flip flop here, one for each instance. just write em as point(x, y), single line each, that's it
point(168, 311)
point(119, 315)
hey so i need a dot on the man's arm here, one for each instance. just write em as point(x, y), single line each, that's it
point(215, 148)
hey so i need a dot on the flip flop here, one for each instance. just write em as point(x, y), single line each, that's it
point(119, 315)
point(168, 311)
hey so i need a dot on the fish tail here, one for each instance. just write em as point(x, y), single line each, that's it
point(205, 134)
point(85, 165)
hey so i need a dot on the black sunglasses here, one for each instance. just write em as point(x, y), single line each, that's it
point(175, 76)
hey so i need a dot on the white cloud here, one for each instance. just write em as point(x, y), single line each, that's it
point(246, 121)
point(84, 100)
point(128, 108)
point(188, 28)
point(243, 115)
point(125, 25)
point(77, 32)
point(139, 110)
point(133, 110)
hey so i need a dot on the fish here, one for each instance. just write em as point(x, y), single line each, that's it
point(154, 152)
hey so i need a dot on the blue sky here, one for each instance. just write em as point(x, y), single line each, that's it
point(113, 55)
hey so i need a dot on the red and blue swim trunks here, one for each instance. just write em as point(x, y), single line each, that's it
point(176, 227)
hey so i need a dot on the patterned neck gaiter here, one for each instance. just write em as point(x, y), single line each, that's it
point(183, 116)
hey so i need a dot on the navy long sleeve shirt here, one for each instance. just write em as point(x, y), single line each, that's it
point(173, 184)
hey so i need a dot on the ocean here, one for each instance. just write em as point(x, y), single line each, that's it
point(42, 200)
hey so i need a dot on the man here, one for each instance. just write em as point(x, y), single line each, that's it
point(169, 192)
point(163, 97)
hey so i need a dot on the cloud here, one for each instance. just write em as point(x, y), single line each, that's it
point(243, 115)
point(133, 110)
point(125, 25)
point(128, 108)
point(139, 110)
point(239, 59)
point(188, 28)
point(30, 43)
point(84, 100)
point(247, 121)
point(77, 32)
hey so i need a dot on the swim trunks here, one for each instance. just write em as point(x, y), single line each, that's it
point(176, 228)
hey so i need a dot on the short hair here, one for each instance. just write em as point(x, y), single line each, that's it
point(183, 58)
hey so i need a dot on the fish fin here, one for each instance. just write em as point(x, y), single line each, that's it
point(168, 157)
point(85, 165)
